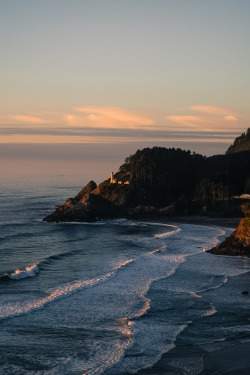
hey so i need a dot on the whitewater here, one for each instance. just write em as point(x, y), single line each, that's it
point(112, 297)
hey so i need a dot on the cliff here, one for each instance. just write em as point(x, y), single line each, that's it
point(164, 181)
point(236, 244)
point(90, 204)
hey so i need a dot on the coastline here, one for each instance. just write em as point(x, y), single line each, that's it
point(196, 220)
point(209, 221)
point(228, 353)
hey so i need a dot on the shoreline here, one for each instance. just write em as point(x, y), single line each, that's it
point(207, 221)
point(231, 357)
point(196, 220)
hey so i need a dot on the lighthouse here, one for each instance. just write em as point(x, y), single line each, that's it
point(112, 179)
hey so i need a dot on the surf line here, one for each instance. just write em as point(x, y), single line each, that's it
point(166, 234)
point(12, 310)
point(28, 271)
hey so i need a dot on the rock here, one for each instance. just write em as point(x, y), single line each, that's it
point(236, 244)
point(75, 209)
point(163, 182)
point(88, 205)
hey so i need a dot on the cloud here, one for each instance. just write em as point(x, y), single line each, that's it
point(216, 111)
point(211, 118)
point(29, 119)
point(107, 117)
point(190, 121)
point(230, 118)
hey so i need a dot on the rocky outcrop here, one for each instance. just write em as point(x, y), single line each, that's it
point(75, 209)
point(164, 182)
point(236, 244)
point(88, 205)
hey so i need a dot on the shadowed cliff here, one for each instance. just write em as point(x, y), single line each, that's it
point(164, 181)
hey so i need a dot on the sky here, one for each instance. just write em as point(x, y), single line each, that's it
point(94, 80)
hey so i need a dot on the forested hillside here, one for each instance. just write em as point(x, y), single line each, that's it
point(241, 143)
point(167, 181)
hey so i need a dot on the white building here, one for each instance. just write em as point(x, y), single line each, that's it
point(114, 180)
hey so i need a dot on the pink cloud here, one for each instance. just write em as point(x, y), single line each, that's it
point(230, 118)
point(29, 119)
point(216, 111)
point(107, 117)
point(212, 118)
point(191, 121)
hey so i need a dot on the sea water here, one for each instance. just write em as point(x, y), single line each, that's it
point(112, 297)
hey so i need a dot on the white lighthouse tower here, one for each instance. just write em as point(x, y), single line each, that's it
point(112, 179)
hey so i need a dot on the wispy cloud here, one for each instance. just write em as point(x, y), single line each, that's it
point(226, 113)
point(107, 117)
point(110, 124)
point(36, 118)
point(212, 118)
point(230, 118)
point(213, 110)
point(29, 119)
point(189, 121)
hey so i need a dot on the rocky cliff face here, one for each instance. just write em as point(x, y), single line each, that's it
point(87, 205)
point(236, 244)
point(75, 209)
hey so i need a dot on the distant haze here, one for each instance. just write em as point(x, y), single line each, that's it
point(83, 162)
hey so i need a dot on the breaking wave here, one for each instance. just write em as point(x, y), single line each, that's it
point(11, 310)
point(29, 271)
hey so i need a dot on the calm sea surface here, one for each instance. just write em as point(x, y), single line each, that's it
point(113, 297)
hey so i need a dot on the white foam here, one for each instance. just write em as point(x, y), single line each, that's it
point(29, 271)
point(152, 340)
point(167, 234)
point(128, 289)
point(162, 248)
point(129, 292)
point(99, 222)
point(10, 310)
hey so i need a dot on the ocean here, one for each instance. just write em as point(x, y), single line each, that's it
point(113, 297)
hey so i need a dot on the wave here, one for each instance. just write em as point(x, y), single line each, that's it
point(162, 248)
point(34, 269)
point(29, 271)
point(11, 310)
point(129, 324)
point(50, 259)
point(166, 234)
point(100, 222)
